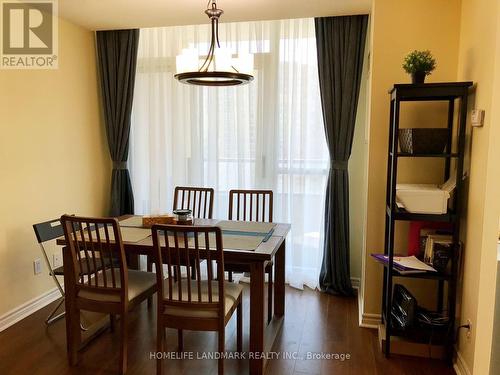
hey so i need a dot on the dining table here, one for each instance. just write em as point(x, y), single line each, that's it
point(239, 248)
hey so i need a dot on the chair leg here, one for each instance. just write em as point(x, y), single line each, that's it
point(180, 340)
point(149, 268)
point(160, 345)
point(270, 295)
point(123, 343)
point(75, 336)
point(222, 338)
point(52, 317)
point(239, 327)
point(112, 322)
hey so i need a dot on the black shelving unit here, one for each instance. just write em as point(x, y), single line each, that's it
point(455, 95)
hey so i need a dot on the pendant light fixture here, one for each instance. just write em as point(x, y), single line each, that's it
point(219, 67)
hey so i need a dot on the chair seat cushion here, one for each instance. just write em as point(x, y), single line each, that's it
point(232, 293)
point(138, 283)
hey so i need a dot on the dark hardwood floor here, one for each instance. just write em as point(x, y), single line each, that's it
point(314, 323)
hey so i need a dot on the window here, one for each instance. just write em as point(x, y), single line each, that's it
point(268, 134)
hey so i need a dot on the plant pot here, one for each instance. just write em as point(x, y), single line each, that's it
point(418, 77)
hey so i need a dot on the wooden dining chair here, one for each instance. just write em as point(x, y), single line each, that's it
point(113, 290)
point(199, 200)
point(194, 302)
point(252, 205)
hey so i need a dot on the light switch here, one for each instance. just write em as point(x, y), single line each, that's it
point(477, 117)
point(56, 260)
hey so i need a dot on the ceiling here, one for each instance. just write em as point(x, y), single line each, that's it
point(122, 14)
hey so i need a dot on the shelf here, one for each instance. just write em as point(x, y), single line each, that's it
point(402, 214)
point(424, 275)
point(407, 155)
point(405, 346)
point(429, 91)
point(453, 95)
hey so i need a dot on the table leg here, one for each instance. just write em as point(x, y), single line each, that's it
point(133, 262)
point(279, 281)
point(256, 345)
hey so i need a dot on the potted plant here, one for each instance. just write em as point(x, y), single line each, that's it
point(419, 64)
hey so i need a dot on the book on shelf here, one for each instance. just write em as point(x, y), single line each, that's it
point(432, 242)
point(405, 264)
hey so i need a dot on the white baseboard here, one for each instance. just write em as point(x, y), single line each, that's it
point(355, 282)
point(459, 365)
point(15, 315)
point(367, 320)
point(370, 320)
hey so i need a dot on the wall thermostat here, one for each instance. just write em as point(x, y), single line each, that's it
point(477, 117)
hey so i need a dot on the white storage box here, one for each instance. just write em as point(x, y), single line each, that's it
point(425, 198)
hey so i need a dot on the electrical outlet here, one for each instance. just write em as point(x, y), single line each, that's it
point(477, 117)
point(469, 329)
point(56, 260)
point(37, 266)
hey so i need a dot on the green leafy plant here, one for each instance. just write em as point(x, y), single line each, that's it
point(419, 61)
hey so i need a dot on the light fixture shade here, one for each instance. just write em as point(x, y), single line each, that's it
point(223, 60)
point(218, 68)
point(244, 63)
point(187, 61)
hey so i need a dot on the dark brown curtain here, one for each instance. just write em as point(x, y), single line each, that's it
point(340, 47)
point(117, 57)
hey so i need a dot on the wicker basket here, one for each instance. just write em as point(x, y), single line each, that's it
point(423, 140)
point(149, 221)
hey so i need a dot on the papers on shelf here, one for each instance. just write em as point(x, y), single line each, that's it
point(405, 265)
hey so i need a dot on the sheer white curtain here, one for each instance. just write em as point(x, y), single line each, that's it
point(268, 134)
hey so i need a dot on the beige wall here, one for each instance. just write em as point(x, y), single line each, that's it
point(465, 38)
point(53, 158)
point(495, 347)
point(397, 28)
point(358, 172)
point(479, 60)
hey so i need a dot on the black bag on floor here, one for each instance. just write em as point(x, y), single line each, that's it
point(403, 309)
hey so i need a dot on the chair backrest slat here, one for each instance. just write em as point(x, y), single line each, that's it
point(98, 259)
point(84, 248)
point(197, 199)
point(188, 266)
point(192, 247)
point(198, 266)
point(178, 270)
point(258, 202)
point(102, 257)
point(110, 256)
